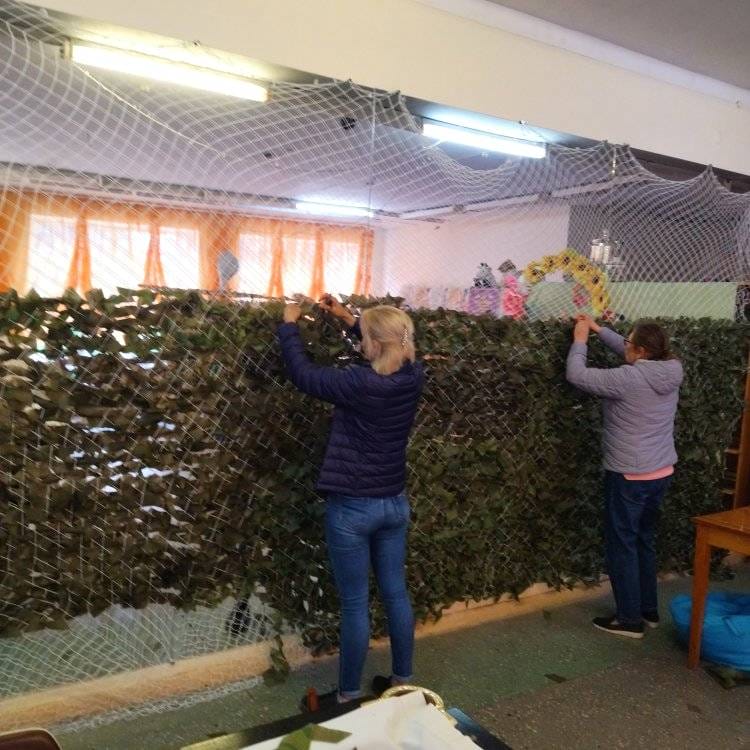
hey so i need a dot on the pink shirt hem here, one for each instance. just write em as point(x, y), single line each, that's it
point(667, 471)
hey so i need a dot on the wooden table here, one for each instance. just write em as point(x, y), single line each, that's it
point(729, 530)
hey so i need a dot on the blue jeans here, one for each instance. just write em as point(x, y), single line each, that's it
point(630, 519)
point(361, 531)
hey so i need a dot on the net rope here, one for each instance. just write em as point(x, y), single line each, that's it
point(124, 158)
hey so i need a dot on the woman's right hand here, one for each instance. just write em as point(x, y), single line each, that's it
point(592, 324)
point(331, 305)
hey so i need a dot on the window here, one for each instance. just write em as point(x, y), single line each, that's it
point(51, 242)
point(341, 262)
point(119, 249)
point(255, 257)
point(180, 257)
point(118, 254)
point(297, 269)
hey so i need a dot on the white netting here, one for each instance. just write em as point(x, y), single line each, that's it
point(110, 181)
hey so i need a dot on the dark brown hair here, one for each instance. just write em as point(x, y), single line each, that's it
point(654, 339)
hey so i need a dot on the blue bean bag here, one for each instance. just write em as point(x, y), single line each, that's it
point(726, 628)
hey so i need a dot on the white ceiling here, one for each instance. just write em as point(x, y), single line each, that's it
point(711, 37)
point(331, 142)
point(65, 119)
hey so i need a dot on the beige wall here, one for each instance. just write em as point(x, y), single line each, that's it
point(431, 54)
point(448, 255)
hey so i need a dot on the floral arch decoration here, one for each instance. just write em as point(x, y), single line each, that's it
point(586, 274)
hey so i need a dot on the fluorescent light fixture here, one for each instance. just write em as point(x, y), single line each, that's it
point(519, 200)
point(426, 213)
point(483, 140)
point(595, 187)
point(331, 209)
point(159, 69)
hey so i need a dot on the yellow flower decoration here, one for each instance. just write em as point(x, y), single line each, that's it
point(534, 273)
point(566, 258)
point(600, 303)
point(588, 275)
point(581, 273)
point(549, 263)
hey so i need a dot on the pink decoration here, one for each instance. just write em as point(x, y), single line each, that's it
point(580, 296)
point(513, 298)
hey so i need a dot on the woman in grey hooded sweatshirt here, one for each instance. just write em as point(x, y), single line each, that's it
point(639, 404)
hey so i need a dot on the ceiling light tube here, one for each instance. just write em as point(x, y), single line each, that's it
point(159, 69)
point(483, 140)
point(332, 209)
point(426, 213)
point(502, 202)
point(595, 187)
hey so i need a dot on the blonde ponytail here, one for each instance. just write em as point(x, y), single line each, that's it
point(387, 338)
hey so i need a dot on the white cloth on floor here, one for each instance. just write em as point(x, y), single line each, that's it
point(403, 723)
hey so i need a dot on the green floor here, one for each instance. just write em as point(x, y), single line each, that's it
point(543, 680)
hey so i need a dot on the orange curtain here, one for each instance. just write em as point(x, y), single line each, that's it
point(363, 281)
point(154, 272)
point(318, 284)
point(15, 218)
point(218, 232)
point(79, 275)
point(276, 284)
point(288, 242)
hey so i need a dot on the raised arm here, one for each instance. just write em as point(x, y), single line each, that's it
point(332, 384)
point(355, 329)
point(612, 340)
point(331, 305)
point(612, 383)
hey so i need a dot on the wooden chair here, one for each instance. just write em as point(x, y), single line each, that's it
point(28, 739)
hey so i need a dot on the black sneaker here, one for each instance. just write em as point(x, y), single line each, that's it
point(651, 619)
point(381, 683)
point(611, 625)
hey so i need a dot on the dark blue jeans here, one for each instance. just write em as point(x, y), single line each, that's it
point(631, 516)
point(364, 531)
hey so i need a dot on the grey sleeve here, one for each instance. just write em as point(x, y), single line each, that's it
point(612, 340)
point(613, 383)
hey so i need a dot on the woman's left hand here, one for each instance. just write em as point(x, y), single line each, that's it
point(292, 313)
point(581, 331)
point(593, 325)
